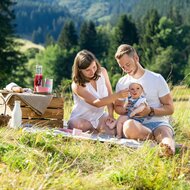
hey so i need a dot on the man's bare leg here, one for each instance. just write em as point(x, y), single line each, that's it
point(135, 130)
point(164, 136)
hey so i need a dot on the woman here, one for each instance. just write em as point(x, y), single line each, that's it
point(92, 92)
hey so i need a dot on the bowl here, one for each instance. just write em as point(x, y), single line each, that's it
point(42, 89)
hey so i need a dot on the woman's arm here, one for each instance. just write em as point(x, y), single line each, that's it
point(89, 98)
point(108, 85)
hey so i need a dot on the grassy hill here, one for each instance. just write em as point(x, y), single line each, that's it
point(26, 44)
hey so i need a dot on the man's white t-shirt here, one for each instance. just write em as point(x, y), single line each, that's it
point(154, 86)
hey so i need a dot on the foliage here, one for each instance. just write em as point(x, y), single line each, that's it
point(56, 62)
point(148, 42)
point(68, 37)
point(88, 37)
point(11, 60)
point(125, 32)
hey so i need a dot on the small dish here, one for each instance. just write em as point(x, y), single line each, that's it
point(42, 89)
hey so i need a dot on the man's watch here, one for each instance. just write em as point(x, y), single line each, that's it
point(151, 112)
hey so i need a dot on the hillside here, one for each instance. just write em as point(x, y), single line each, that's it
point(26, 44)
point(103, 9)
point(100, 11)
point(36, 19)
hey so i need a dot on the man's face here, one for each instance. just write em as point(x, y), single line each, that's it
point(129, 64)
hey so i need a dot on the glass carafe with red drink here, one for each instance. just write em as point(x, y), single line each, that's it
point(38, 77)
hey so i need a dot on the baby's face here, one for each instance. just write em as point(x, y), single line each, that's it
point(135, 90)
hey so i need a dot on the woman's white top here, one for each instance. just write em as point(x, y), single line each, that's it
point(86, 111)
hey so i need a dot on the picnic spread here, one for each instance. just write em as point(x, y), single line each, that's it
point(38, 107)
point(37, 102)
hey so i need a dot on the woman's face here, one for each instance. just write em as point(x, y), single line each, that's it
point(135, 90)
point(90, 71)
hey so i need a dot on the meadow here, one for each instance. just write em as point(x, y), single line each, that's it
point(42, 161)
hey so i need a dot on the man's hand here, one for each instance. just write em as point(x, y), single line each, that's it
point(144, 113)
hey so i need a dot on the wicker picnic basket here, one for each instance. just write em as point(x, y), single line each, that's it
point(4, 119)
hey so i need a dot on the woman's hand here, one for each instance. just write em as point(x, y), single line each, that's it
point(123, 93)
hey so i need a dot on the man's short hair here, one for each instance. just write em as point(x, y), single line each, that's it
point(124, 49)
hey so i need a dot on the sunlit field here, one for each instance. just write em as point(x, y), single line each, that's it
point(43, 161)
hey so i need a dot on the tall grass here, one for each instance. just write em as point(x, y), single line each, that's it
point(43, 161)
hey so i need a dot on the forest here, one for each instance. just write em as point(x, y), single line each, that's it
point(162, 38)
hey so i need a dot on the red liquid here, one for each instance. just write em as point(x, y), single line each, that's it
point(37, 81)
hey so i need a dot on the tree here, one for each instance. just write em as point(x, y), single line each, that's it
point(68, 37)
point(175, 15)
point(10, 57)
point(88, 37)
point(57, 63)
point(49, 40)
point(148, 44)
point(125, 32)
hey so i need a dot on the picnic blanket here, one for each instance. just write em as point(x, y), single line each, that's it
point(86, 136)
point(37, 102)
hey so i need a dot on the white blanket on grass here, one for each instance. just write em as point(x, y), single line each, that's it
point(99, 137)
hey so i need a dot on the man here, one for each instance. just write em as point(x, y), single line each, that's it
point(160, 104)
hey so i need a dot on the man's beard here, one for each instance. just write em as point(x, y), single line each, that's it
point(136, 69)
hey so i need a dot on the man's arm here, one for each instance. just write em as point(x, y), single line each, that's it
point(166, 109)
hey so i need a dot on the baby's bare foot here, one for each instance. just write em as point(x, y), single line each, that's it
point(119, 136)
point(111, 124)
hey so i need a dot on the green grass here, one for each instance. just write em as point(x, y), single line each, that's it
point(26, 44)
point(43, 161)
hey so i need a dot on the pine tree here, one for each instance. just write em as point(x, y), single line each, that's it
point(148, 42)
point(88, 37)
point(10, 58)
point(68, 37)
point(125, 33)
point(49, 40)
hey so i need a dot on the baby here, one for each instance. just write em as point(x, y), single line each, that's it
point(134, 105)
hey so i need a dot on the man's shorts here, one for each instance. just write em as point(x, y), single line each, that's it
point(154, 125)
